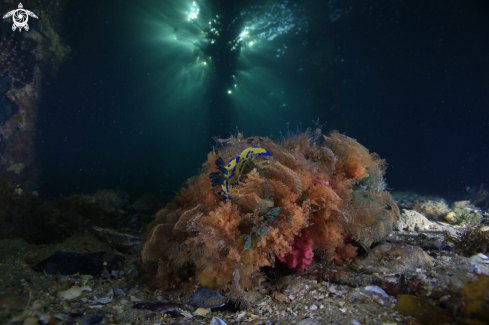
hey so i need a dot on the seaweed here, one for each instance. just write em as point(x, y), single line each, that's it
point(473, 239)
point(466, 216)
point(261, 231)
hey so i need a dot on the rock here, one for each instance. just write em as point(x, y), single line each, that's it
point(378, 290)
point(413, 221)
point(14, 301)
point(308, 321)
point(394, 258)
point(460, 204)
point(480, 264)
point(31, 321)
point(293, 285)
point(160, 306)
point(29, 258)
point(186, 314)
point(406, 199)
point(421, 309)
point(280, 296)
point(217, 321)
point(4, 84)
point(435, 208)
point(67, 263)
point(201, 312)
point(206, 298)
point(94, 319)
point(450, 217)
point(16, 168)
point(122, 242)
point(73, 292)
point(254, 297)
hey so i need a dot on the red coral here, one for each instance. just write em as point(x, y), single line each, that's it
point(320, 181)
point(300, 257)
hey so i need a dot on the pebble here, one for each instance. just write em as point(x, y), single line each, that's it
point(31, 321)
point(308, 321)
point(217, 321)
point(279, 296)
point(378, 290)
point(186, 314)
point(201, 312)
point(206, 298)
point(73, 292)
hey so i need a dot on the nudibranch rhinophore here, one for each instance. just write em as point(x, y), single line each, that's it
point(228, 174)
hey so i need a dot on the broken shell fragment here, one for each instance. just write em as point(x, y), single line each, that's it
point(73, 292)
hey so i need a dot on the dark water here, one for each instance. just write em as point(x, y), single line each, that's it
point(136, 104)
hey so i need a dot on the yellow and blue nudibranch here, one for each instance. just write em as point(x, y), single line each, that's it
point(228, 175)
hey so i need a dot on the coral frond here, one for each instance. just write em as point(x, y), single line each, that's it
point(236, 294)
point(334, 191)
point(184, 222)
point(285, 175)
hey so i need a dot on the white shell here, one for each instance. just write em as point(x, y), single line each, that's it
point(73, 292)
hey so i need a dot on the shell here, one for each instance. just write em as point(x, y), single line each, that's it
point(73, 292)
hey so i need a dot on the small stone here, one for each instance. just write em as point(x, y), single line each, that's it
point(206, 298)
point(29, 258)
point(378, 290)
point(413, 257)
point(73, 292)
point(217, 321)
point(240, 315)
point(201, 312)
point(120, 241)
point(314, 307)
point(31, 321)
point(279, 296)
point(254, 297)
point(186, 314)
point(450, 216)
point(308, 321)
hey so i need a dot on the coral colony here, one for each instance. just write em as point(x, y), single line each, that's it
point(307, 195)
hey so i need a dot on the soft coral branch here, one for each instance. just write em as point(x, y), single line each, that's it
point(300, 257)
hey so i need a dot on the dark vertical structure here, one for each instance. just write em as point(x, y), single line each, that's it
point(224, 63)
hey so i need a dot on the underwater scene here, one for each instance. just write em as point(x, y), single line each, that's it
point(244, 162)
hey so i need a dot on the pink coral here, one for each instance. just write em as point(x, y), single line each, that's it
point(300, 257)
point(320, 181)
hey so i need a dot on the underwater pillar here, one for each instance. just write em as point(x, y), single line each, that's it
point(26, 58)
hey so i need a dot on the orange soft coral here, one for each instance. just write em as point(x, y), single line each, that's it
point(323, 191)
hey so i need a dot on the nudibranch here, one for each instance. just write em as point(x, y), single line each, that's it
point(228, 174)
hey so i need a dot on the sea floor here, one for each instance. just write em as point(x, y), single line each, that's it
point(415, 276)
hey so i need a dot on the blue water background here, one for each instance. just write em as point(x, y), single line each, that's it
point(133, 109)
